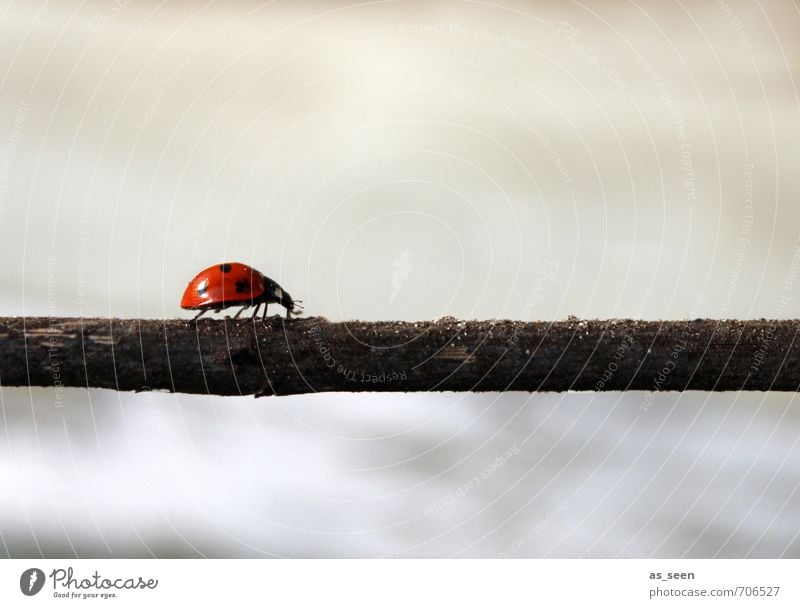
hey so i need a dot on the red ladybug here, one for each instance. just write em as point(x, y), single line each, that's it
point(235, 284)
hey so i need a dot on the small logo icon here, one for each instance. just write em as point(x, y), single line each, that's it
point(402, 269)
point(31, 581)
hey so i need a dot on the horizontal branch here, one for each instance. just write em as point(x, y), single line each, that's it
point(278, 357)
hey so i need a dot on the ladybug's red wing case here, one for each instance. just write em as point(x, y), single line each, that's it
point(235, 284)
point(223, 285)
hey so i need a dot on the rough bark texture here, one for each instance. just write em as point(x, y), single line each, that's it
point(228, 357)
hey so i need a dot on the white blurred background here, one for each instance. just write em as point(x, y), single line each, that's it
point(402, 160)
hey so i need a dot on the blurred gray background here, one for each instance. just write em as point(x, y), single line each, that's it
point(402, 160)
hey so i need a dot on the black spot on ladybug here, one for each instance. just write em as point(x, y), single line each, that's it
point(225, 267)
point(242, 286)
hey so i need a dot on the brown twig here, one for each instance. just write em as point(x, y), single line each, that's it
point(279, 357)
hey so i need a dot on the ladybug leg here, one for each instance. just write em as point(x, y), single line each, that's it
point(199, 314)
point(264, 318)
point(296, 309)
point(255, 311)
point(241, 310)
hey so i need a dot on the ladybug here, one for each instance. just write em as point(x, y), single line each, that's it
point(235, 284)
